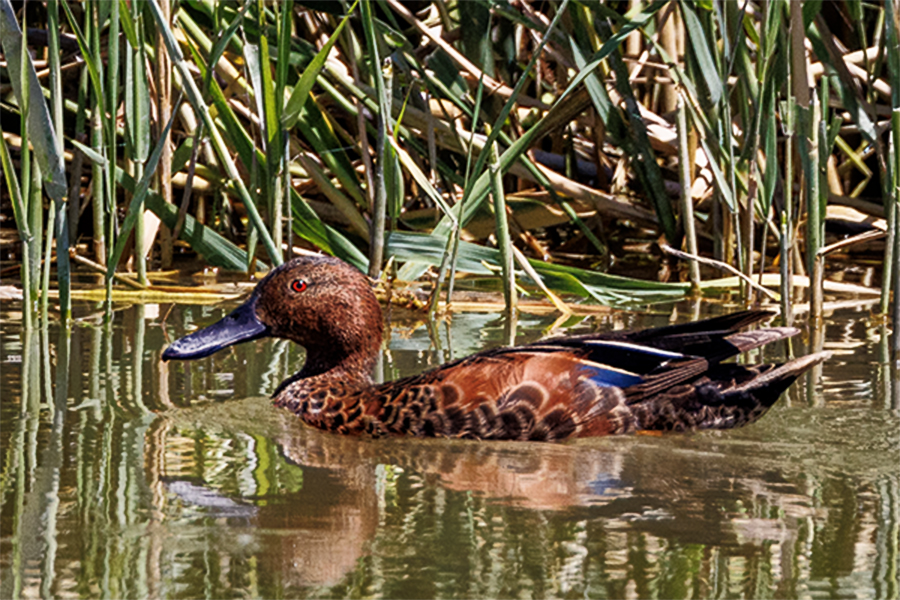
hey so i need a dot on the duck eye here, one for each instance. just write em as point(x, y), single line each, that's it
point(298, 285)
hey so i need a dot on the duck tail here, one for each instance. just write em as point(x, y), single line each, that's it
point(774, 382)
point(729, 396)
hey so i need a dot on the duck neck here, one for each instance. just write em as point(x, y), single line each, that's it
point(326, 365)
point(355, 366)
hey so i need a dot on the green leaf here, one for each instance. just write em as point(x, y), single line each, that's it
point(215, 249)
point(137, 201)
point(613, 290)
point(560, 112)
point(635, 23)
point(12, 184)
point(182, 154)
point(420, 178)
point(308, 226)
point(127, 22)
point(224, 39)
point(90, 153)
point(301, 91)
point(41, 134)
point(315, 127)
point(770, 177)
point(284, 48)
point(637, 145)
point(87, 55)
point(847, 87)
point(708, 138)
point(611, 118)
point(137, 101)
point(700, 45)
point(273, 140)
point(200, 107)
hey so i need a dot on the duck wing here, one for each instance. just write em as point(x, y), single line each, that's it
point(507, 394)
point(711, 338)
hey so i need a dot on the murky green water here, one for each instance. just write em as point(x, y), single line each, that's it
point(127, 477)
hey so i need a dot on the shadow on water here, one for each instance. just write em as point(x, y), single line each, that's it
point(127, 477)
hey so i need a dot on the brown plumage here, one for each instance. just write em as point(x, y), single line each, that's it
point(664, 379)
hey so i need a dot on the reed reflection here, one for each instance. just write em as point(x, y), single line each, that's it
point(213, 492)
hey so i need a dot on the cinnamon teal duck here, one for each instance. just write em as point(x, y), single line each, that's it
point(664, 379)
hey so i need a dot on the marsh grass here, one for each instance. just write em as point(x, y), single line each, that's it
point(356, 131)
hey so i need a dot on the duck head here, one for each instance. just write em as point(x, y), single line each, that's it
point(320, 302)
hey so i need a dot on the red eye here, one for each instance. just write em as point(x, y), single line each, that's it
point(298, 285)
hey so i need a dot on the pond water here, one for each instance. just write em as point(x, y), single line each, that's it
point(126, 477)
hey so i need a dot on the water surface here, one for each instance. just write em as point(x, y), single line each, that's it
point(127, 477)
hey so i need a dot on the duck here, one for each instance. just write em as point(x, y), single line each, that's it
point(671, 378)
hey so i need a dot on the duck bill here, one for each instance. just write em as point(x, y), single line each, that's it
point(241, 325)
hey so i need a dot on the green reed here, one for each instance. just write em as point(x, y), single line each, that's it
point(279, 126)
point(41, 170)
point(382, 74)
point(892, 198)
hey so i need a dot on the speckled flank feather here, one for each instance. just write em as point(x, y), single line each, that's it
point(666, 379)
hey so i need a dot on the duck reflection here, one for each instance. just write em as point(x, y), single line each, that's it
point(319, 530)
point(320, 524)
point(539, 477)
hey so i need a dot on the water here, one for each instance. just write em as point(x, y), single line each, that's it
point(127, 477)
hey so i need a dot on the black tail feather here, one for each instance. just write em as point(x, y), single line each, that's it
point(727, 396)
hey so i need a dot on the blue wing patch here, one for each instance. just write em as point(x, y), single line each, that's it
point(606, 376)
